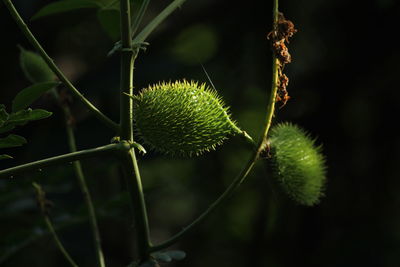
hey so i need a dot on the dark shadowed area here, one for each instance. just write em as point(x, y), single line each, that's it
point(344, 91)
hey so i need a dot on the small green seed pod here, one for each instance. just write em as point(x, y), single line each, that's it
point(34, 67)
point(297, 164)
point(182, 118)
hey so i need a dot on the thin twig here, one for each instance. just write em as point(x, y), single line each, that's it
point(139, 17)
point(29, 35)
point(65, 158)
point(142, 36)
point(82, 181)
point(42, 202)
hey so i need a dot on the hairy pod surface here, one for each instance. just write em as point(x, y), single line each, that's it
point(297, 164)
point(182, 118)
point(34, 67)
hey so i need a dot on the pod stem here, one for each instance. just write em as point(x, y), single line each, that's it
point(31, 38)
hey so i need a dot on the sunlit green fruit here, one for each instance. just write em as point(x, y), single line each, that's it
point(34, 67)
point(297, 163)
point(182, 118)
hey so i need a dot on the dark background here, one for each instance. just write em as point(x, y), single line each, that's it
point(343, 84)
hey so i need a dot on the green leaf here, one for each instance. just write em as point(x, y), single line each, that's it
point(35, 67)
point(168, 256)
point(4, 156)
point(7, 128)
point(64, 6)
point(22, 117)
point(12, 140)
point(3, 115)
point(176, 254)
point(163, 257)
point(110, 21)
point(28, 95)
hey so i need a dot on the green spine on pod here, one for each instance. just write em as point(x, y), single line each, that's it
point(34, 67)
point(182, 118)
point(297, 164)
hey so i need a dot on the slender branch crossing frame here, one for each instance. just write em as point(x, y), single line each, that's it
point(124, 150)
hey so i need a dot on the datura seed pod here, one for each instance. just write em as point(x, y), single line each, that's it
point(34, 67)
point(297, 163)
point(182, 118)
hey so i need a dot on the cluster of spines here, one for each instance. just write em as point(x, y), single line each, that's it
point(182, 118)
point(297, 163)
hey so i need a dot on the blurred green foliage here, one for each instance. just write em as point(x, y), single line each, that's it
point(343, 86)
point(195, 44)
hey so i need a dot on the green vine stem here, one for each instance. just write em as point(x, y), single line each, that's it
point(129, 162)
point(227, 193)
point(42, 203)
point(274, 86)
point(65, 158)
point(139, 17)
point(141, 37)
point(250, 163)
point(28, 34)
point(141, 225)
point(82, 181)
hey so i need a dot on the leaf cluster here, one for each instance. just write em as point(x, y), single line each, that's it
point(9, 121)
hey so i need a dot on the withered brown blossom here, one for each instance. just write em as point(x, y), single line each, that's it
point(283, 30)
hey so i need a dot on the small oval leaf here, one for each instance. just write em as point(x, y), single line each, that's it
point(12, 140)
point(176, 254)
point(22, 117)
point(38, 114)
point(35, 67)
point(28, 95)
point(64, 6)
point(162, 256)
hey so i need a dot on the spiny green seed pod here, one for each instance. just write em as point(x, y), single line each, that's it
point(34, 67)
point(182, 118)
point(297, 163)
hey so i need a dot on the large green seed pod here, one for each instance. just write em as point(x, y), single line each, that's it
point(34, 67)
point(182, 118)
point(297, 163)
